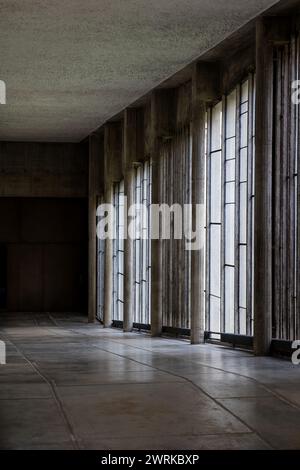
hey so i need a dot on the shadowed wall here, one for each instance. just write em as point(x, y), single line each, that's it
point(46, 243)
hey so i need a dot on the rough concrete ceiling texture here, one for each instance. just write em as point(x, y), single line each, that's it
point(70, 65)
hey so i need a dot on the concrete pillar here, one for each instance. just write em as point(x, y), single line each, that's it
point(128, 259)
point(162, 122)
point(156, 264)
point(205, 83)
point(263, 193)
point(129, 155)
point(112, 174)
point(269, 31)
point(156, 260)
point(92, 244)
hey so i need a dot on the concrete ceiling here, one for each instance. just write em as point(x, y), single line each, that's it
point(69, 65)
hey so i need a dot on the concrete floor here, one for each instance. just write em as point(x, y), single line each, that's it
point(69, 385)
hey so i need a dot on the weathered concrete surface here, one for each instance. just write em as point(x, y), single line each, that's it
point(71, 65)
point(71, 385)
point(29, 169)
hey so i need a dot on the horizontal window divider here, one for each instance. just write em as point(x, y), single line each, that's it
point(215, 296)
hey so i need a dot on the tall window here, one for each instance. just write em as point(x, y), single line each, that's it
point(176, 189)
point(230, 204)
point(118, 252)
point(142, 245)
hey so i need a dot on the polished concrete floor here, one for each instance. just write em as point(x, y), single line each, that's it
point(70, 385)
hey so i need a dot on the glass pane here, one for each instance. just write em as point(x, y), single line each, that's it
point(215, 259)
point(215, 189)
point(243, 328)
point(243, 213)
point(244, 130)
point(243, 277)
point(230, 114)
point(229, 233)
point(229, 192)
point(244, 91)
point(214, 324)
point(230, 148)
point(230, 170)
point(216, 123)
point(229, 299)
point(243, 164)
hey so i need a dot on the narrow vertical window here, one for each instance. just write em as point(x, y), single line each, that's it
point(214, 200)
point(142, 258)
point(118, 252)
point(230, 192)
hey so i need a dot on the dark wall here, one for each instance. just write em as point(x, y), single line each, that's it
point(46, 253)
point(30, 169)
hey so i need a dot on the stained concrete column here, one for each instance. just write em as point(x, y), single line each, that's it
point(129, 155)
point(156, 255)
point(263, 192)
point(112, 173)
point(205, 83)
point(269, 31)
point(162, 118)
point(92, 243)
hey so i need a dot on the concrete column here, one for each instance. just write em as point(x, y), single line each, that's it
point(205, 84)
point(263, 192)
point(92, 252)
point(156, 255)
point(163, 118)
point(269, 32)
point(129, 154)
point(112, 173)
point(156, 263)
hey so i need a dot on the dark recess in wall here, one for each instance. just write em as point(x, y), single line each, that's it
point(45, 240)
